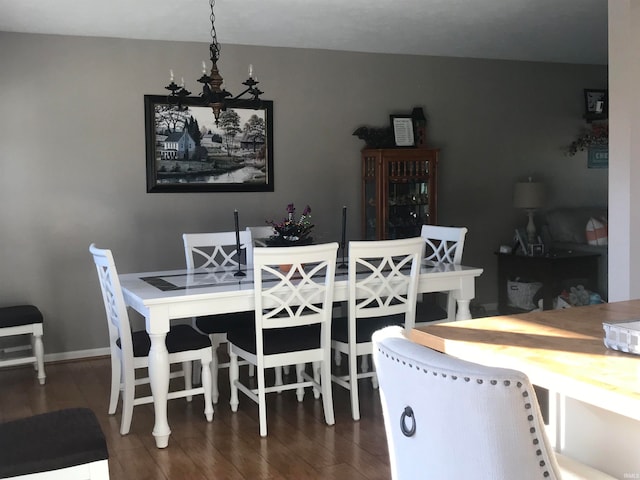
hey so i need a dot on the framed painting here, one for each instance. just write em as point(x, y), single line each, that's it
point(595, 101)
point(188, 152)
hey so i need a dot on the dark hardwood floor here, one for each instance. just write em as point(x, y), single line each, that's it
point(299, 445)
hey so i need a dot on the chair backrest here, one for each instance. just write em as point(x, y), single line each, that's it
point(218, 249)
point(383, 278)
point(261, 232)
point(443, 244)
point(300, 294)
point(457, 419)
point(114, 305)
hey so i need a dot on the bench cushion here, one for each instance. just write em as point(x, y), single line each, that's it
point(50, 441)
point(19, 315)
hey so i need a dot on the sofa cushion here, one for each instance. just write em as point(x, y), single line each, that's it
point(568, 224)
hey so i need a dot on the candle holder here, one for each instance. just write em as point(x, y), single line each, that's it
point(343, 243)
point(239, 273)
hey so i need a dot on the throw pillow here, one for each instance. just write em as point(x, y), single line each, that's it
point(597, 232)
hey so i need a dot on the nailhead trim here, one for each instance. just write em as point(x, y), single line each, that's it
point(480, 381)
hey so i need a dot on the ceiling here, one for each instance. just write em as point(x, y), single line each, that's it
point(567, 31)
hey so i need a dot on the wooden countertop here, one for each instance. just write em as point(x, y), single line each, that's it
point(562, 350)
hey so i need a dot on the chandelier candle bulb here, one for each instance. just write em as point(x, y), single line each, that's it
point(204, 67)
point(171, 75)
point(250, 70)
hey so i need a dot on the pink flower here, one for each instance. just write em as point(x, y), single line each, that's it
point(306, 211)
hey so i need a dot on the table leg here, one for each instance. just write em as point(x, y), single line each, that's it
point(463, 313)
point(159, 379)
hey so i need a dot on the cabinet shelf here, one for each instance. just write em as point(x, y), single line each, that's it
point(399, 191)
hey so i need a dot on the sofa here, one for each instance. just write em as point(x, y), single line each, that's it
point(567, 228)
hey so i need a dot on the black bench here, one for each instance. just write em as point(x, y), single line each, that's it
point(64, 439)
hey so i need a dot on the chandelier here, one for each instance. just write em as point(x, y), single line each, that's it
point(213, 93)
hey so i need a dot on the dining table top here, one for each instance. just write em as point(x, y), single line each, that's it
point(158, 286)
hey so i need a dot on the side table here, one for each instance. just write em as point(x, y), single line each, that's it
point(550, 269)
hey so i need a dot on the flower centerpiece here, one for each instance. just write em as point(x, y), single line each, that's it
point(291, 231)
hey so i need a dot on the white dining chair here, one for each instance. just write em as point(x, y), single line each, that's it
point(215, 250)
point(259, 233)
point(293, 324)
point(383, 285)
point(445, 245)
point(447, 418)
point(130, 349)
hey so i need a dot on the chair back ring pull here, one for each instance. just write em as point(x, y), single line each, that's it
point(408, 413)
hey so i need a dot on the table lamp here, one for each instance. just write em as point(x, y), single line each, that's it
point(529, 196)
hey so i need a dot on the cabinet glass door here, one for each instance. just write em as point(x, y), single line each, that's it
point(407, 197)
point(370, 193)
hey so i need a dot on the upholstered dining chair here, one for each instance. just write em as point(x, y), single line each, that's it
point(446, 245)
point(383, 284)
point(130, 349)
point(292, 327)
point(457, 419)
point(18, 320)
point(212, 250)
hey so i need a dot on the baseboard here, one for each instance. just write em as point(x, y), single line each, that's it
point(95, 352)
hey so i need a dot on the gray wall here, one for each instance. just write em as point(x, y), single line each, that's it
point(73, 157)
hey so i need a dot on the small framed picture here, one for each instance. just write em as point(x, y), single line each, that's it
point(595, 101)
point(402, 126)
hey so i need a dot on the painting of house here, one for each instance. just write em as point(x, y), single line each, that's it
point(177, 146)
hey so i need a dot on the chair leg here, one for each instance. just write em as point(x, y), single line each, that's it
point(116, 376)
point(353, 385)
point(38, 349)
point(278, 372)
point(186, 370)
point(215, 394)
point(324, 369)
point(317, 377)
point(262, 402)
point(364, 363)
point(337, 357)
point(206, 385)
point(233, 378)
point(300, 390)
point(127, 402)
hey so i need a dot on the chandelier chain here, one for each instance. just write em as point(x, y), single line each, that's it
point(215, 46)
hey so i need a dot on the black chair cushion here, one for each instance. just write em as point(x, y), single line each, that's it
point(50, 441)
point(429, 311)
point(179, 339)
point(280, 340)
point(224, 323)
point(19, 315)
point(364, 327)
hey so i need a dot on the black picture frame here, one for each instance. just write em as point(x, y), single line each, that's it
point(235, 156)
point(595, 101)
point(403, 130)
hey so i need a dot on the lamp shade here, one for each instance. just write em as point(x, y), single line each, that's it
point(528, 195)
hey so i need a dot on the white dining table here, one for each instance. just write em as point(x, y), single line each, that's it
point(163, 296)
